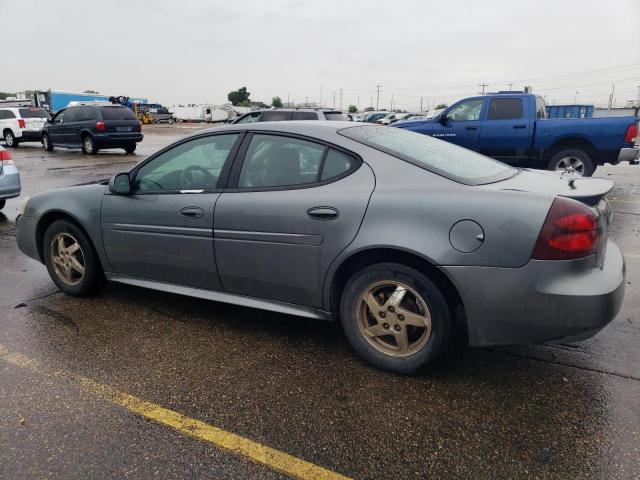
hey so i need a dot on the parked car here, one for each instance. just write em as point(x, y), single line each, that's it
point(514, 128)
point(9, 178)
point(392, 118)
point(92, 128)
point(22, 124)
point(373, 117)
point(283, 114)
point(404, 238)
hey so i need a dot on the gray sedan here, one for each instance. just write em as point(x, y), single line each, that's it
point(9, 178)
point(404, 238)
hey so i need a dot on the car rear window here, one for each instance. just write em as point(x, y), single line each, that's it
point(438, 156)
point(33, 113)
point(117, 113)
point(339, 116)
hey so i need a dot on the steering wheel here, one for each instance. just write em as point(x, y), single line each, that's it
point(191, 178)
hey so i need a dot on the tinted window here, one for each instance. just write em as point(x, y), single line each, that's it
point(505, 109)
point(250, 118)
point(273, 161)
point(6, 114)
point(465, 111)
point(193, 165)
point(305, 116)
point(87, 113)
point(438, 156)
point(276, 116)
point(117, 113)
point(336, 116)
point(72, 114)
point(33, 113)
point(336, 164)
point(59, 117)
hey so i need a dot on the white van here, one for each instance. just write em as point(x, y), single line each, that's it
point(22, 124)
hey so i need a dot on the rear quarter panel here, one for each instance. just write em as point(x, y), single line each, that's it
point(605, 134)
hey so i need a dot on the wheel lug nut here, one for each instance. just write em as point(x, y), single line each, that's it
point(391, 309)
point(397, 328)
point(401, 317)
point(385, 326)
point(382, 314)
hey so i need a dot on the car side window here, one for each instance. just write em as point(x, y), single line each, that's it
point(250, 118)
point(58, 118)
point(276, 116)
point(505, 109)
point(72, 115)
point(466, 111)
point(336, 164)
point(193, 165)
point(6, 114)
point(305, 116)
point(275, 161)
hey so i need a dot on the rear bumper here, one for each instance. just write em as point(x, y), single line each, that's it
point(629, 154)
point(544, 301)
point(114, 140)
point(9, 182)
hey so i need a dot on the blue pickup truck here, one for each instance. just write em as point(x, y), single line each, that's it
point(514, 128)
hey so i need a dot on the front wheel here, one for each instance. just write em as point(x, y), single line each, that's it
point(395, 318)
point(46, 143)
point(89, 145)
point(10, 139)
point(572, 161)
point(70, 259)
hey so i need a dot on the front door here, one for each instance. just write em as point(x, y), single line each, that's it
point(163, 230)
point(54, 130)
point(462, 124)
point(291, 206)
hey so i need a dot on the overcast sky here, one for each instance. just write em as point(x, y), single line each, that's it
point(197, 51)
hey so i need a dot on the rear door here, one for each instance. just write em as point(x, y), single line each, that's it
point(291, 206)
point(163, 230)
point(506, 130)
point(462, 125)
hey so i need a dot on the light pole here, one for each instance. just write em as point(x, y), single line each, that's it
point(575, 97)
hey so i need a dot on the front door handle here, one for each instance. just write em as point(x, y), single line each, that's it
point(472, 127)
point(519, 126)
point(322, 213)
point(192, 212)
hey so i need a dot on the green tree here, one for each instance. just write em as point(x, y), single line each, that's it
point(441, 105)
point(238, 97)
point(353, 109)
point(276, 102)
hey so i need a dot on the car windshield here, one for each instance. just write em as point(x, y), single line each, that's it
point(117, 113)
point(438, 156)
point(33, 113)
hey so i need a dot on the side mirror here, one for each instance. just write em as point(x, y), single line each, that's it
point(120, 184)
point(442, 118)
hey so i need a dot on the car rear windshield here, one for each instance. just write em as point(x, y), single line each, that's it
point(117, 113)
point(438, 156)
point(339, 116)
point(33, 113)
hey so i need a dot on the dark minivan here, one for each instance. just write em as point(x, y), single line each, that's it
point(92, 128)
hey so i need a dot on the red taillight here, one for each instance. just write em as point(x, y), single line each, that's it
point(101, 126)
point(5, 157)
point(569, 231)
point(21, 123)
point(631, 133)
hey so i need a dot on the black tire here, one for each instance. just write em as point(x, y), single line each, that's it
point(130, 148)
point(569, 155)
point(46, 143)
point(441, 319)
point(3, 202)
point(10, 139)
point(93, 275)
point(89, 145)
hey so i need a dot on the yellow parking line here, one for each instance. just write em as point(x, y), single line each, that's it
point(269, 457)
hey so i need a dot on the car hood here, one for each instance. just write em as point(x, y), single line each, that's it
point(585, 189)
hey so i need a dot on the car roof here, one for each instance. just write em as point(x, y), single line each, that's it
point(302, 127)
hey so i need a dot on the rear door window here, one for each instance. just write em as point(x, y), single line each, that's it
point(339, 116)
point(6, 114)
point(276, 116)
point(305, 116)
point(336, 164)
point(505, 109)
point(72, 114)
point(87, 114)
point(117, 113)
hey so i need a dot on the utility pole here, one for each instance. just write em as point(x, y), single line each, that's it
point(391, 109)
point(334, 99)
point(340, 100)
point(288, 104)
point(320, 95)
point(421, 104)
point(575, 97)
point(638, 99)
point(378, 96)
point(483, 85)
point(510, 85)
point(613, 89)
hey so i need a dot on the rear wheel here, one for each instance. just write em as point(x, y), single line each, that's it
point(395, 318)
point(572, 161)
point(10, 139)
point(3, 202)
point(89, 145)
point(46, 143)
point(130, 148)
point(70, 259)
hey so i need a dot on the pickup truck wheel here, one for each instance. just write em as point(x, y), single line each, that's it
point(10, 139)
point(89, 145)
point(572, 161)
point(395, 318)
point(46, 143)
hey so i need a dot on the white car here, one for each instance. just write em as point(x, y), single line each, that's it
point(392, 118)
point(22, 124)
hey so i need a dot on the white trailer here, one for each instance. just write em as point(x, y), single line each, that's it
point(201, 112)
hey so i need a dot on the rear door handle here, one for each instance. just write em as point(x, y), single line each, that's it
point(519, 126)
point(471, 127)
point(322, 213)
point(192, 212)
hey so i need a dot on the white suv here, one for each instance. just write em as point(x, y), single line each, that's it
point(22, 124)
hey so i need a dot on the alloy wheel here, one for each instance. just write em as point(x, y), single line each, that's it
point(8, 139)
point(67, 259)
point(393, 318)
point(570, 164)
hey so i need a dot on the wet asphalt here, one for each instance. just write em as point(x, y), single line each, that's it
point(562, 411)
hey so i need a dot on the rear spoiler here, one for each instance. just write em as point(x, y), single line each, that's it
point(587, 190)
